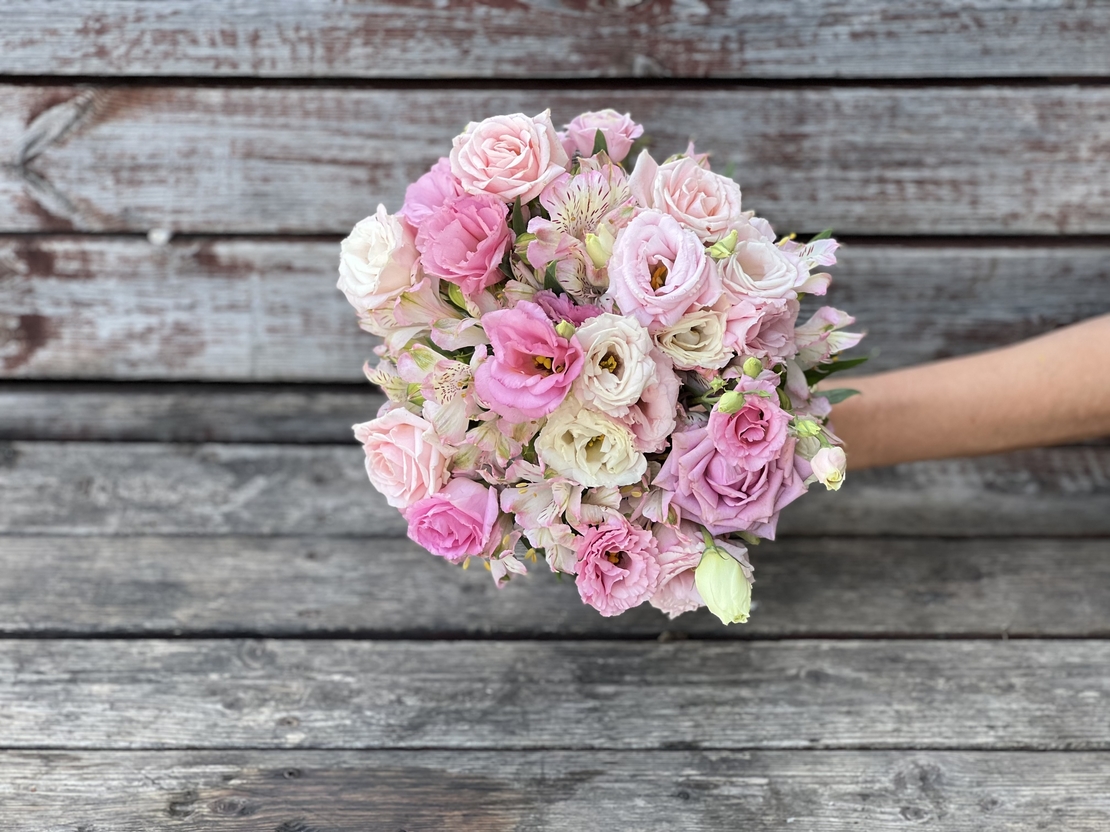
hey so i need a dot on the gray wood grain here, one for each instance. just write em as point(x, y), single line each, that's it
point(942, 695)
point(225, 310)
point(138, 488)
point(491, 791)
point(885, 160)
point(715, 38)
point(314, 586)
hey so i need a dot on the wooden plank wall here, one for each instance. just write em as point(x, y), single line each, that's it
point(209, 620)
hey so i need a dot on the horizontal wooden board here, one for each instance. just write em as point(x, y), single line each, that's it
point(313, 586)
point(1025, 160)
point(498, 791)
point(427, 39)
point(138, 488)
point(252, 310)
point(941, 695)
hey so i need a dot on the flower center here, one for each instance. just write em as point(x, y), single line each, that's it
point(546, 365)
point(614, 557)
point(593, 443)
point(610, 362)
point(658, 276)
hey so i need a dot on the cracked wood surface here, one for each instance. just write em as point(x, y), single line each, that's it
point(496, 791)
point(310, 586)
point(80, 488)
point(267, 310)
point(1010, 159)
point(844, 694)
point(562, 39)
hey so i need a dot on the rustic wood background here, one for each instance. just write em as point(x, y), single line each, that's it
point(210, 621)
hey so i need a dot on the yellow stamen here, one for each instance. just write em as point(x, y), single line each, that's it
point(609, 362)
point(542, 362)
point(658, 276)
point(613, 557)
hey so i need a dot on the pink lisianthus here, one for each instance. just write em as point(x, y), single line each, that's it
point(721, 495)
point(620, 132)
point(618, 566)
point(754, 435)
point(428, 193)
point(659, 271)
point(561, 308)
point(652, 418)
point(404, 459)
point(704, 202)
point(464, 241)
point(680, 551)
point(763, 328)
point(508, 157)
point(820, 337)
point(456, 522)
point(532, 366)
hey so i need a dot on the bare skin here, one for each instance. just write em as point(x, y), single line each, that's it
point(1048, 390)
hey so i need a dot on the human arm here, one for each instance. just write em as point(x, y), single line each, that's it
point(1047, 390)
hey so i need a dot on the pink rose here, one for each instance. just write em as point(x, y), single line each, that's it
point(658, 271)
point(464, 241)
point(377, 261)
point(617, 566)
point(762, 328)
point(705, 202)
point(721, 495)
point(652, 418)
point(404, 459)
point(532, 366)
point(508, 157)
point(620, 131)
point(561, 308)
point(429, 192)
point(754, 435)
point(680, 552)
point(456, 522)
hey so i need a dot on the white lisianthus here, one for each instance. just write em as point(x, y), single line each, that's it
point(723, 579)
point(759, 268)
point(376, 261)
point(618, 365)
point(829, 466)
point(589, 447)
point(696, 340)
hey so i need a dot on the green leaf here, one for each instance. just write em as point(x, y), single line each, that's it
point(641, 144)
point(823, 371)
point(600, 145)
point(824, 235)
point(518, 222)
point(838, 395)
point(549, 280)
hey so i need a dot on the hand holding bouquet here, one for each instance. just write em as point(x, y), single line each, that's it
point(596, 367)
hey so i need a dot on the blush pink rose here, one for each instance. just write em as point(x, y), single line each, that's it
point(424, 196)
point(456, 522)
point(652, 418)
point(659, 271)
point(404, 459)
point(617, 566)
point(464, 241)
point(705, 202)
point(763, 328)
point(377, 261)
point(680, 552)
point(620, 132)
point(722, 496)
point(508, 157)
point(754, 435)
point(532, 366)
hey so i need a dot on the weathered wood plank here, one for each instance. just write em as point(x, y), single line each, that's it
point(490, 791)
point(715, 39)
point(104, 694)
point(138, 488)
point(313, 586)
point(889, 160)
point(255, 310)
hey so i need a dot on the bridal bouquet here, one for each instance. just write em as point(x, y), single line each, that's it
point(594, 363)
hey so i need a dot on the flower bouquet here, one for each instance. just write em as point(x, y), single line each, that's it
point(596, 366)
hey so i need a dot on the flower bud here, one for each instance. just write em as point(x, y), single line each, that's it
point(565, 329)
point(723, 586)
point(456, 295)
point(730, 402)
point(723, 248)
point(599, 246)
point(829, 466)
point(752, 367)
point(806, 427)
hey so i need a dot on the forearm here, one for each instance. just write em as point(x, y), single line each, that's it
point(1044, 391)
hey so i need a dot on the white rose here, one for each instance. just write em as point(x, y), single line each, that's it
point(589, 447)
point(829, 465)
point(376, 261)
point(759, 268)
point(618, 365)
point(696, 340)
